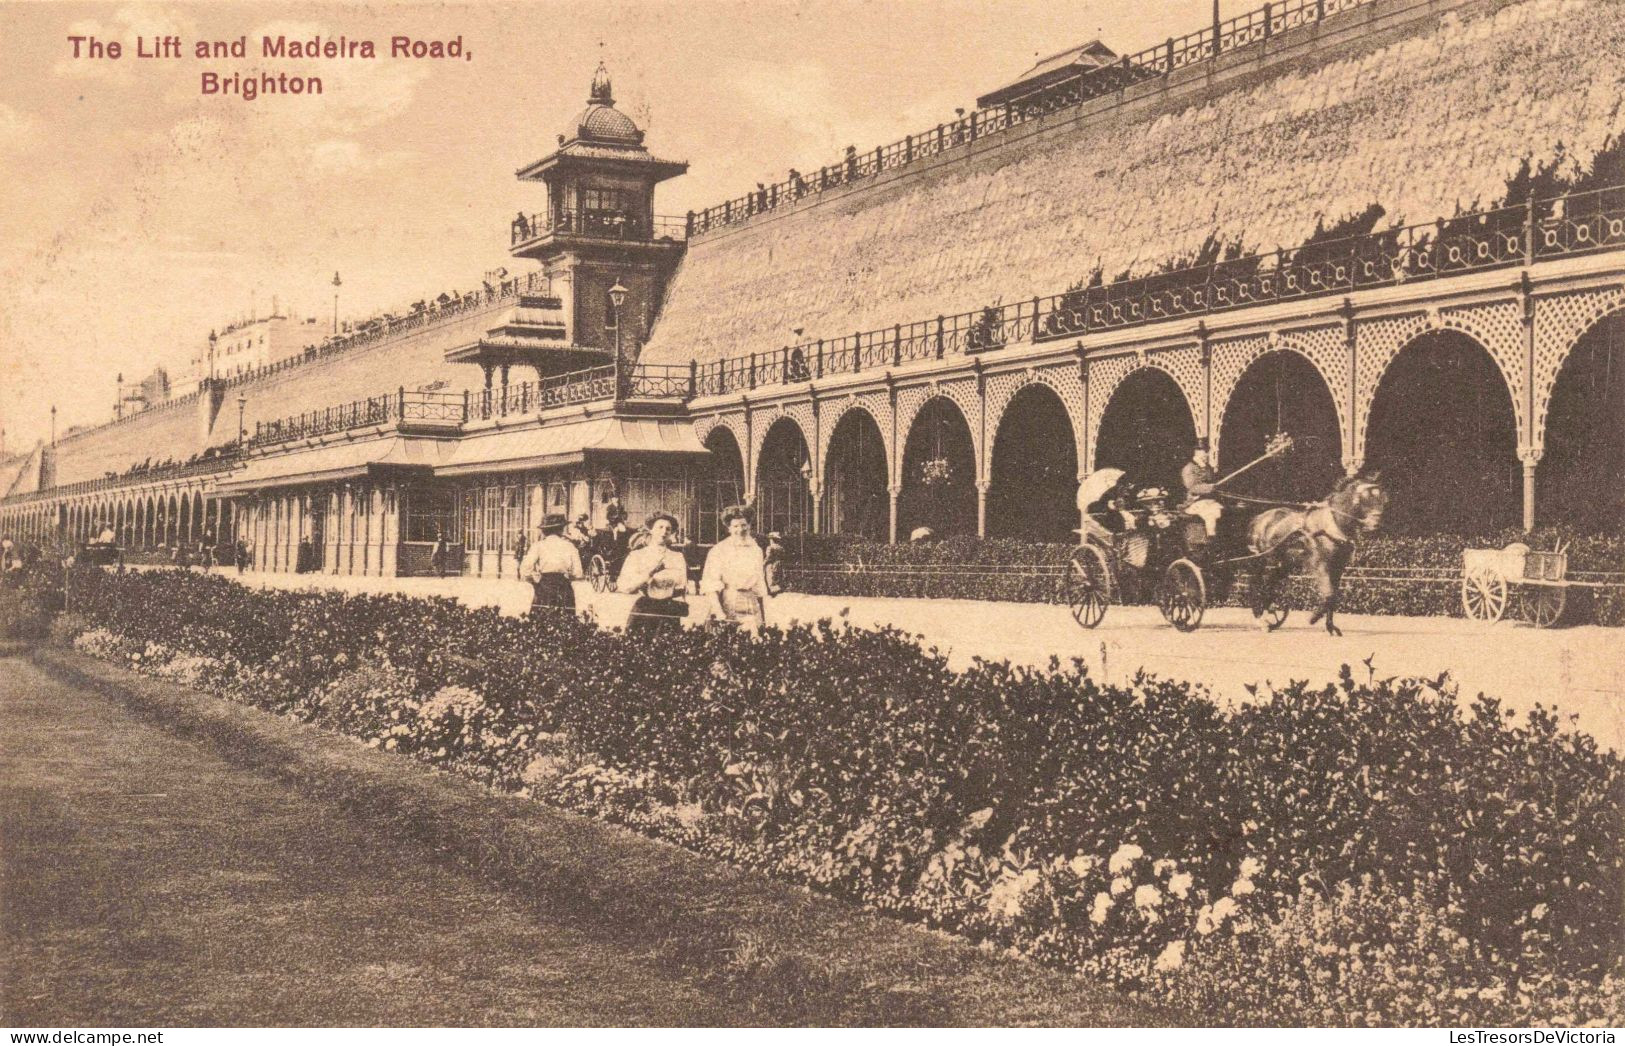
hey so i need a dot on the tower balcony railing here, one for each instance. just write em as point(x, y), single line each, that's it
point(603, 225)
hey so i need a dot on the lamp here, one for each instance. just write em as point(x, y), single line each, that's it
point(242, 402)
point(617, 298)
point(213, 337)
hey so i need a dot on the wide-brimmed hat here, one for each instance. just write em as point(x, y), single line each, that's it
point(552, 523)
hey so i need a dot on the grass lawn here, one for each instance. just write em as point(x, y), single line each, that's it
point(174, 859)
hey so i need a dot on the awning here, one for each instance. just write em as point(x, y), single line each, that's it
point(336, 462)
point(548, 446)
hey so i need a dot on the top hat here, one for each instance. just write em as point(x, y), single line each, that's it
point(552, 523)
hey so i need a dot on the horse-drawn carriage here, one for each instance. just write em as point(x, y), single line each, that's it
point(1144, 541)
point(99, 554)
point(1161, 552)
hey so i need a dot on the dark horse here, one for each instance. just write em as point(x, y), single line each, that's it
point(1319, 539)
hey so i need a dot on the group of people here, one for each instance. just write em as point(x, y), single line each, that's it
point(735, 576)
point(1121, 506)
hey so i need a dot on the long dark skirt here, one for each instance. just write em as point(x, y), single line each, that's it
point(656, 615)
point(553, 590)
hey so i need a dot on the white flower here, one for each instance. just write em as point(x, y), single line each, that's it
point(689, 814)
point(1180, 885)
point(1223, 909)
point(1162, 867)
point(1250, 867)
point(1172, 957)
point(1241, 888)
point(1103, 904)
point(1121, 884)
point(1538, 912)
point(1205, 923)
point(1082, 865)
point(1007, 897)
point(1147, 896)
point(1124, 858)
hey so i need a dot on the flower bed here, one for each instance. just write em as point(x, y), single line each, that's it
point(1365, 853)
point(1392, 574)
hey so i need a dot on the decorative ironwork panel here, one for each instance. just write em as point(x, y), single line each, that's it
point(1498, 327)
point(1376, 343)
point(1062, 379)
point(1325, 348)
point(764, 419)
point(1560, 322)
point(876, 404)
point(961, 393)
point(734, 423)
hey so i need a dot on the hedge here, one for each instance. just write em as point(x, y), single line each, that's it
point(1139, 833)
point(1392, 574)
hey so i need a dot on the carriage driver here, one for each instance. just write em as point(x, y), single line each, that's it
point(1197, 479)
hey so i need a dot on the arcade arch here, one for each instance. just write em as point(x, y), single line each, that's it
point(1281, 391)
point(783, 475)
point(938, 473)
point(855, 497)
point(1146, 429)
point(1033, 474)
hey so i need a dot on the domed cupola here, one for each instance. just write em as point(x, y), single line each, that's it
point(601, 121)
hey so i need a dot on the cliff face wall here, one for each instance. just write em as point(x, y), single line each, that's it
point(1423, 121)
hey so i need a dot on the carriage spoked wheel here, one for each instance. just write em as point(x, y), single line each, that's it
point(1484, 596)
point(1089, 585)
point(1182, 596)
point(598, 573)
point(1542, 605)
point(1275, 616)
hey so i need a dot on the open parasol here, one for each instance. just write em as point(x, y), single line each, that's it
point(1095, 485)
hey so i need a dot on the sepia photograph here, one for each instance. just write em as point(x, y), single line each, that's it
point(616, 514)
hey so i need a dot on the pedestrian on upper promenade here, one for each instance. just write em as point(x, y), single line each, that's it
point(657, 573)
point(736, 572)
point(550, 567)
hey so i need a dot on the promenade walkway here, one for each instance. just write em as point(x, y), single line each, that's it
point(1579, 670)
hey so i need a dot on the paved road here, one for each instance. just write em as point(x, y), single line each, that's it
point(1579, 670)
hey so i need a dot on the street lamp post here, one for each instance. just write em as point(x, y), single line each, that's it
point(617, 298)
point(242, 401)
point(337, 283)
point(213, 337)
point(53, 424)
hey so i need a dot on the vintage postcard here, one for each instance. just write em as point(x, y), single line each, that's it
point(813, 513)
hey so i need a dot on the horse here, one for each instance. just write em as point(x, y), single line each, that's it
point(1319, 537)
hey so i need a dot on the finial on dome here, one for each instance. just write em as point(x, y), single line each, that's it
point(600, 88)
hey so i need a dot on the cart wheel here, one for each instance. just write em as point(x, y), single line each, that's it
point(598, 572)
point(1091, 565)
point(1484, 596)
point(1182, 596)
point(1543, 604)
point(1088, 604)
point(1275, 615)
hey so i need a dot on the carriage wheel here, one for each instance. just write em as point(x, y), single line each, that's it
point(1088, 605)
point(1275, 615)
point(1089, 585)
point(1183, 595)
point(1484, 596)
point(1543, 604)
point(1093, 567)
point(598, 572)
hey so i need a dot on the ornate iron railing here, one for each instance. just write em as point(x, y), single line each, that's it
point(226, 458)
point(1173, 54)
point(391, 407)
point(1576, 223)
point(608, 225)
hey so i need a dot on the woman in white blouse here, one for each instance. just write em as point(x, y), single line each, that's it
point(657, 573)
point(735, 572)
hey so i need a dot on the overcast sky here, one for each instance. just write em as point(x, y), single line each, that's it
point(140, 213)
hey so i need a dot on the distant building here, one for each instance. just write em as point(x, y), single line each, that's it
point(247, 346)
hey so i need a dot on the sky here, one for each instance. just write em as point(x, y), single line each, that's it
point(139, 213)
